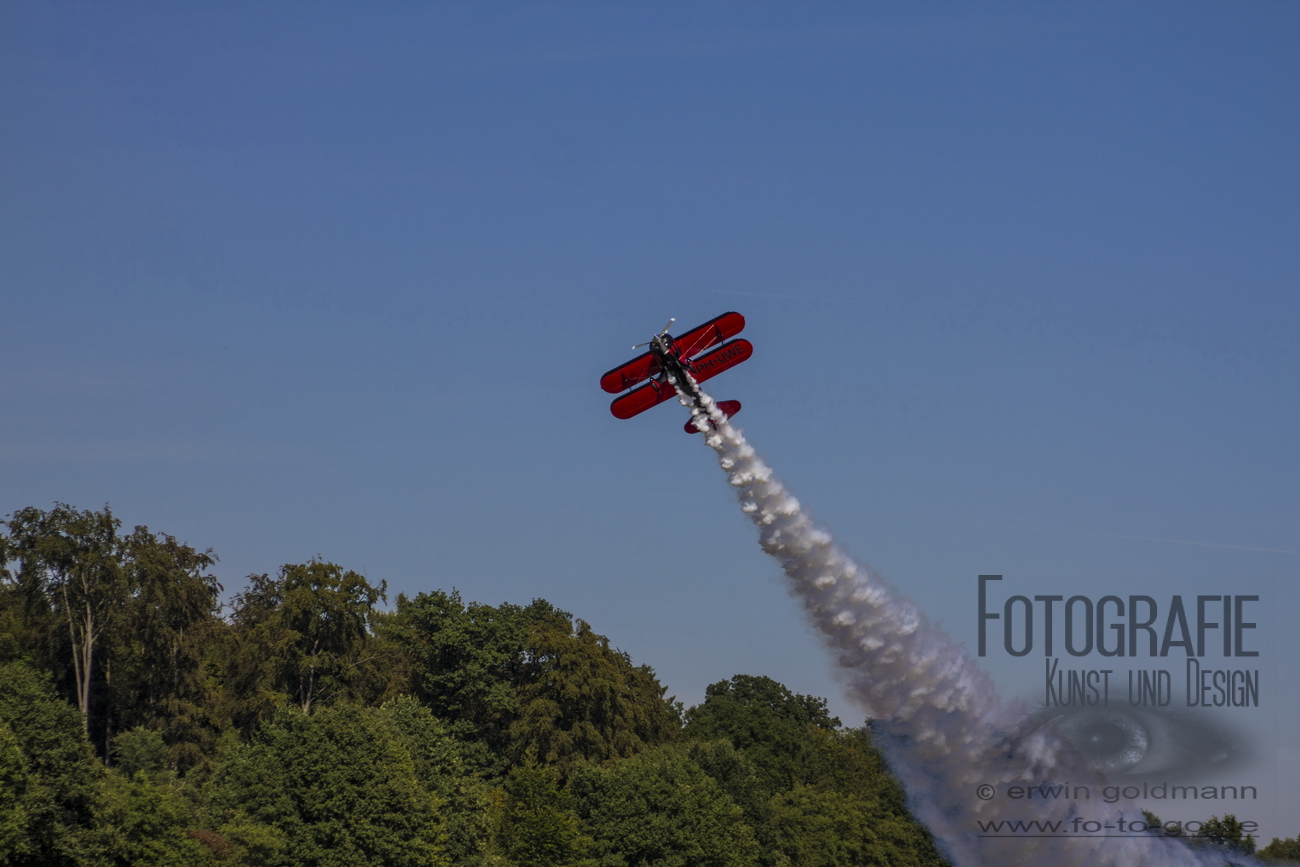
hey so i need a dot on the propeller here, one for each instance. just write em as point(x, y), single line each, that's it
point(660, 334)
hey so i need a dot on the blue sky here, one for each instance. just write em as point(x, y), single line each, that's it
point(335, 280)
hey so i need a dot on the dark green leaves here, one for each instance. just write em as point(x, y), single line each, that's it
point(302, 636)
point(530, 681)
point(338, 787)
point(658, 808)
point(537, 825)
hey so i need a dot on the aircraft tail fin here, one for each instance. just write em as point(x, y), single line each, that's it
point(728, 407)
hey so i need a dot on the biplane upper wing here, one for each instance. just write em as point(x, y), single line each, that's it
point(692, 343)
point(725, 357)
point(627, 375)
point(639, 400)
point(711, 333)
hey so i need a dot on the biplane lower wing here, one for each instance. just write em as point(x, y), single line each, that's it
point(639, 400)
point(627, 375)
point(711, 333)
point(725, 357)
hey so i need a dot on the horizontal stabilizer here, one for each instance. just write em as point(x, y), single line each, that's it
point(725, 357)
point(727, 407)
point(711, 333)
point(639, 400)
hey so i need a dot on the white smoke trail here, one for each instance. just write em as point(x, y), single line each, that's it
point(946, 733)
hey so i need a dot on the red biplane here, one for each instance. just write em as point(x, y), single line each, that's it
point(670, 358)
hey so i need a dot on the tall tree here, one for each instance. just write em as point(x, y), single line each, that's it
point(170, 622)
point(764, 720)
point(70, 575)
point(302, 636)
point(530, 681)
point(466, 659)
point(582, 700)
point(173, 596)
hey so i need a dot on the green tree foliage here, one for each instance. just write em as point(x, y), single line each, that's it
point(334, 789)
point(141, 750)
point(303, 637)
point(812, 827)
point(735, 773)
point(848, 761)
point(1283, 850)
point(1152, 820)
point(170, 627)
point(658, 809)
point(1224, 834)
point(847, 764)
point(142, 822)
point(467, 659)
point(762, 719)
point(814, 794)
point(121, 620)
point(57, 804)
point(20, 638)
point(530, 681)
point(582, 700)
point(443, 770)
point(537, 825)
point(52, 790)
point(73, 585)
point(15, 787)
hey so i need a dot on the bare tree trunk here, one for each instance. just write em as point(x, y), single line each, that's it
point(81, 678)
point(311, 688)
point(108, 715)
point(87, 661)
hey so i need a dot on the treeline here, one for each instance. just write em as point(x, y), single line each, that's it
point(143, 724)
point(1227, 837)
